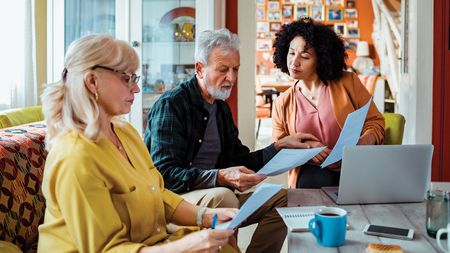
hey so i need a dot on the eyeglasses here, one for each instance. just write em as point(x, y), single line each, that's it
point(129, 79)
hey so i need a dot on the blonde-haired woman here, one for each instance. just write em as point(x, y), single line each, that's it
point(102, 191)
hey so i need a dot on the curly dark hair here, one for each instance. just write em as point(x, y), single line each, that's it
point(328, 45)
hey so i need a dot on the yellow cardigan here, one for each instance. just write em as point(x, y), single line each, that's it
point(98, 202)
point(347, 95)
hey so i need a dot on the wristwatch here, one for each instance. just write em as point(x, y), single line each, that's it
point(200, 213)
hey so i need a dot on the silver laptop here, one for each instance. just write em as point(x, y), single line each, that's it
point(383, 174)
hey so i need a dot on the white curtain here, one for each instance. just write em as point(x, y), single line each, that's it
point(17, 54)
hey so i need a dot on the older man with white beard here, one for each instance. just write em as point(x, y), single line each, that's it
point(194, 143)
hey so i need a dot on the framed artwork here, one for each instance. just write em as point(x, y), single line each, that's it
point(262, 27)
point(273, 5)
point(338, 3)
point(351, 44)
point(351, 13)
point(353, 33)
point(275, 26)
point(317, 12)
point(350, 4)
point(334, 14)
point(266, 35)
point(263, 45)
point(340, 28)
point(352, 24)
point(260, 2)
point(288, 11)
point(260, 13)
point(274, 15)
point(301, 11)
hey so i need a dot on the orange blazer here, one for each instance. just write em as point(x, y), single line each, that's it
point(347, 95)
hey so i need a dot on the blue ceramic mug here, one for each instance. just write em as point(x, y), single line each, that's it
point(329, 226)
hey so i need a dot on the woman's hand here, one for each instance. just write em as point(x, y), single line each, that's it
point(206, 240)
point(319, 158)
point(366, 139)
point(223, 215)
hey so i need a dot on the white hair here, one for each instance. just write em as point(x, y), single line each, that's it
point(68, 105)
point(208, 40)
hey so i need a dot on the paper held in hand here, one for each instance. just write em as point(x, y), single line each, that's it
point(255, 201)
point(288, 159)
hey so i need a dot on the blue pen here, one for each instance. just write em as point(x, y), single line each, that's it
point(214, 221)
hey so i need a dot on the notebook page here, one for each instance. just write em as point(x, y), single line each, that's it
point(297, 218)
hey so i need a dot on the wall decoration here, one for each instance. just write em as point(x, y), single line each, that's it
point(301, 11)
point(262, 27)
point(352, 24)
point(338, 3)
point(288, 11)
point(353, 33)
point(263, 45)
point(274, 15)
point(334, 14)
point(350, 4)
point(260, 2)
point(340, 28)
point(351, 13)
point(350, 44)
point(275, 26)
point(273, 5)
point(260, 13)
point(317, 12)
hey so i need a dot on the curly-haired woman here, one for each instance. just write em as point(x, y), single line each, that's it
point(321, 99)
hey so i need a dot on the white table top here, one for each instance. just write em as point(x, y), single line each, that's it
point(406, 215)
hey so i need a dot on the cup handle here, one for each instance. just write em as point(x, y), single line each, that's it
point(312, 225)
point(438, 238)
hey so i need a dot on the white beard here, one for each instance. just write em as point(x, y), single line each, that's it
point(217, 93)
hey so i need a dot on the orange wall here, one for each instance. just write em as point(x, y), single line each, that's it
point(365, 23)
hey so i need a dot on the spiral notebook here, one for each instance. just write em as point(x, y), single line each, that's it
point(297, 218)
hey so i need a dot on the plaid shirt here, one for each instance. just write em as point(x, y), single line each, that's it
point(175, 129)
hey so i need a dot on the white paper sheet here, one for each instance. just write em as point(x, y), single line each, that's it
point(287, 159)
point(349, 135)
point(255, 201)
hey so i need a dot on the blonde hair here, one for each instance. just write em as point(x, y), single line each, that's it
point(68, 105)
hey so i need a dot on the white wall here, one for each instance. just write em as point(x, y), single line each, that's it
point(415, 96)
point(246, 80)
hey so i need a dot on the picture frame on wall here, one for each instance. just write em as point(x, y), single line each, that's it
point(275, 26)
point(288, 11)
point(352, 33)
point(337, 3)
point(260, 13)
point(301, 11)
point(262, 27)
point(351, 13)
point(352, 24)
point(350, 4)
point(317, 12)
point(263, 45)
point(273, 5)
point(351, 44)
point(340, 28)
point(260, 2)
point(274, 15)
point(334, 14)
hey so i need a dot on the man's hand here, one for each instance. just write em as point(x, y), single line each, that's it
point(239, 178)
point(298, 140)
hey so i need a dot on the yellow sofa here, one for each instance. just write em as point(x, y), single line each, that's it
point(20, 116)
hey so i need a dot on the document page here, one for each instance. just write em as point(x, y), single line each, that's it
point(288, 159)
point(349, 135)
point(255, 201)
